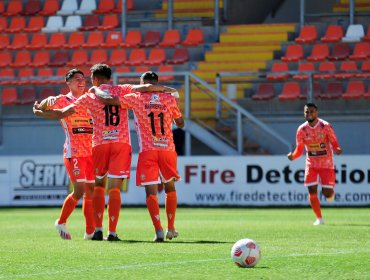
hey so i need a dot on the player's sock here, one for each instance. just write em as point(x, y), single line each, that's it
point(171, 206)
point(315, 205)
point(98, 206)
point(68, 206)
point(88, 213)
point(153, 208)
point(114, 207)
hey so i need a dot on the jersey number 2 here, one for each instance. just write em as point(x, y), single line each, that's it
point(161, 119)
point(111, 115)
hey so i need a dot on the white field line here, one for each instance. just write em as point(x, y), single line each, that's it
point(133, 266)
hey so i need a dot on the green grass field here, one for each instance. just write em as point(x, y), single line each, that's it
point(292, 248)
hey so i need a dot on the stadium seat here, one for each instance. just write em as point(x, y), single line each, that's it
point(290, 91)
point(293, 53)
point(355, 90)
point(7, 76)
point(319, 52)
point(264, 92)
point(141, 69)
point(20, 41)
point(165, 68)
point(22, 59)
point(105, 7)
point(367, 36)
point(333, 34)
point(361, 51)
point(180, 56)
point(195, 37)
point(171, 38)
point(17, 24)
point(132, 40)
point(278, 71)
point(327, 70)
point(113, 40)
point(43, 76)
point(14, 8)
point(151, 39)
point(73, 23)
point(53, 24)
point(334, 90)
point(137, 57)
point(50, 8)
point(91, 22)
point(94, 40)
point(3, 24)
point(75, 40)
point(117, 57)
point(303, 68)
point(31, 8)
point(9, 96)
point(57, 41)
point(2, 7)
point(122, 69)
point(348, 69)
point(354, 33)
point(64, 90)
point(4, 41)
point(316, 91)
point(110, 22)
point(38, 41)
point(35, 24)
point(68, 8)
point(27, 96)
point(118, 8)
point(367, 94)
point(25, 76)
point(308, 34)
point(45, 93)
point(98, 56)
point(365, 70)
point(5, 59)
point(86, 7)
point(60, 58)
point(156, 57)
point(340, 51)
point(41, 58)
point(60, 75)
point(79, 58)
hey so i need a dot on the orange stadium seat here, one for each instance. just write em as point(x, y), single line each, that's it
point(60, 58)
point(98, 56)
point(293, 53)
point(171, 38)
point(333, 34)
point(327, 69)
point(348, 69)
point(290, 91)
point(57, 41)
point(35, 24)
point(5, 59)
point(10, 96)
point(45, 93)
point(25, 76)
point(3, 24)
point(319, 52)
point(361, 51)
point(340, 52)
point(94, 40)
point(165, 68)
point(118, 8)
point(91, 22)
point(303, 68)
point(75, 40)
point(316, 90)
point(141, 69)
point(137, 57)
point(22, 59)
point(27, 96)
point(17, 24)
point(365, 70)
point(132, 40)
point(117, 57)
point(64, 90)
point(105, 7)
point(123, 69)
point(50, 8)
point(156, 57)
point(355, 90)
point(41, 58)
point(7, 76)
point(31, 8)
point(113, 40)
point(79, 57)
point(20, 41)
point(308, 34)
point(110, 22)
point(277, 71)
point(60, 75)
point(367, 36)
point(4, 41)
point(2, 7)
point(14, 8)
point(195, 37)
point(334, 90)
point(264, 92)
point(180, 56)
point(44, 76)
point(151, 39)
point(38, 41)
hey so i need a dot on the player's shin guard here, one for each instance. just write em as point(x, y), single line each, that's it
point(68, 206)
point(114, 207)
point(98, 206)
point(153, 208)
point(171, 206)
point(315, 205)
point(88, 213)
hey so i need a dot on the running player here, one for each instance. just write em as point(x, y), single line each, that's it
point(77, 152)
point(318, 138)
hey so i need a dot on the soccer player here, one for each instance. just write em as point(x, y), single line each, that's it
point(77, 152)
point(318, 138)
point(154, 114)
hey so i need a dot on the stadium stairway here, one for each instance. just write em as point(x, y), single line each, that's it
point(343, 6)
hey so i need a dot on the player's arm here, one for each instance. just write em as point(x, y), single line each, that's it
point(152, 88)
point(105, 97)
point(47, 114)
point(180, 123)
point(299, 147)
point(64, 112)
point(48, 102)
point(334, 140)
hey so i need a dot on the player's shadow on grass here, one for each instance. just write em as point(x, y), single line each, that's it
point(348, 225)
point(180, 242)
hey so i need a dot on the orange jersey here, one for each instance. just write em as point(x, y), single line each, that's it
point(154, 114)
point(319, 142)
point(77, 128)
point(110, 121)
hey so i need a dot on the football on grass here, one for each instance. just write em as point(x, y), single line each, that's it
point(246, 253)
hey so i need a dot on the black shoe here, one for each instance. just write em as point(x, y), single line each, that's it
point(113, 238)
point(98, 235)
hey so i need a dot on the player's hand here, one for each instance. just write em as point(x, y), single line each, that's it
point(290, 156)
point(339, 151)
point(36, 108)
point(92, 89)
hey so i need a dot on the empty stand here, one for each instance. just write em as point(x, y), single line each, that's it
point(31, 8)
point(348, 69)
point(3, 24)
point(94, 40)
point(17, 24)
point(91, 22)
point(264, 92)
point(20, 41)
point(22, 59)
point(354, 33)
point(334, 90)
point(319, 52)
point(365, 70)
point(50, 8)
point(290, 91)
point(98, 56)
point(43, 76)
point(2, 7)
point(5, 59)
point(53, 24)
point(25, 76)
point(14, 8)
point(41, 58)
point(132, 40)
point(118, 8)
point(308, 34)
point(278, 71)
point(340, 51)
point(35, 24)
point(367, 36)
point(45, 93)
point(79, 58)
point(9, 96)
point(293, 53)
point(165, 68)
point(105, 7)
point(137, 57)
point(327, 70)
point(110, 22)
point(73, 23)
point(7, 76)
point(57, 40)
point(303, 69)
point(156, 57)
point(117, 57)
point(361, 51)
point(113, 40)
point(75, 40)
point(86, 7)
point(151, 39)
point(333, 34)
point(4, 41)
point(195, 37)
point(38, 41)
point(355, 90)
point(68, 8)
point(180, 56)
point(60, 58)
point(171, 38)
point(316, 91)
point(27, 96)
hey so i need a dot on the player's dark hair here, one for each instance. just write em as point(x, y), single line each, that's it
point(312, 105)
point(101, 71)
point(150, 78)
point(71, 73)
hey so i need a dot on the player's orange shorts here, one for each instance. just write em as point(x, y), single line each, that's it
point(113, 159)
point(314, 176)
point(154, 167)
point(80, 169)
